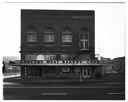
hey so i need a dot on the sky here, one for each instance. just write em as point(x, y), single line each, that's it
point(109, 25)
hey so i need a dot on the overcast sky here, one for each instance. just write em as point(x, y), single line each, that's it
point(109, 26)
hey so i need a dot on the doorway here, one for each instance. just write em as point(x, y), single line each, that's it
point(86, 72)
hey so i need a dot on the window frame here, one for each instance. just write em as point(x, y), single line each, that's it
point(66, 69)
point(31, 35)
point(84, 40)
point(66, 41)
point(48, 34)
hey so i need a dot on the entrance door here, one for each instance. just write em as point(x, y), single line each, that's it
point(86, 72)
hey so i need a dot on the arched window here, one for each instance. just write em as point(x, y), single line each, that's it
point(49, 35)
point(84, 39)
point(31, 35)
point(66, 35)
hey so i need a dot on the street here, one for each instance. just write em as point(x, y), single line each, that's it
point(65, 91)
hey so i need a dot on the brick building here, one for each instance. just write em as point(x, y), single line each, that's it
point(51, 37)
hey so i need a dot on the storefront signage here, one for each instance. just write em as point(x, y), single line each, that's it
point(55, 62)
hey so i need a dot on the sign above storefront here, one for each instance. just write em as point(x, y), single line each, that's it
point(55, 62)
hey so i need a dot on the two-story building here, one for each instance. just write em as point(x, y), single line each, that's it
point(58, 43)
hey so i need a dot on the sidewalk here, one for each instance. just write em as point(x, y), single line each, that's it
point(39, 80)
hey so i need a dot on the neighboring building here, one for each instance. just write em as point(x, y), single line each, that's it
point(116, 65)
point(8, 69)
point(58, 43)
point(119, 64)
point(11, 70)
point(6, 59)
point(109, 65)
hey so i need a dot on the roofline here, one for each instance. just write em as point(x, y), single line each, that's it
point(56, 12)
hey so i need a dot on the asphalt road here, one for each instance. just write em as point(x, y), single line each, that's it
point(84, 91)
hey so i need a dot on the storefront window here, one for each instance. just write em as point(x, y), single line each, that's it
point(50, 57)
point(65, 69)
point(64, 57)
point(77, 70)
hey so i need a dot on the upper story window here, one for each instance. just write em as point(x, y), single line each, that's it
point(49, 35)
point(84, 39)
point(66, 35)
point(31, 35)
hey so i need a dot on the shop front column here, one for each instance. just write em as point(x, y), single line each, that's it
point(94, 73)
point(81, 74)
point(22, 71)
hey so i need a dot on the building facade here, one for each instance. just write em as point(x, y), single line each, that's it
point(119, 64)
point(66, 36)
point(109, 67)
point(116, 65)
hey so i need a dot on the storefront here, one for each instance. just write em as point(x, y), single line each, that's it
point(57, 44)
point(60, 69)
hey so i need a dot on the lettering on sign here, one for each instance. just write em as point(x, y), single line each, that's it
point(56, 62)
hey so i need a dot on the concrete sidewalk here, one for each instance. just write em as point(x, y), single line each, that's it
point(39, 80)
point(107, 78)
